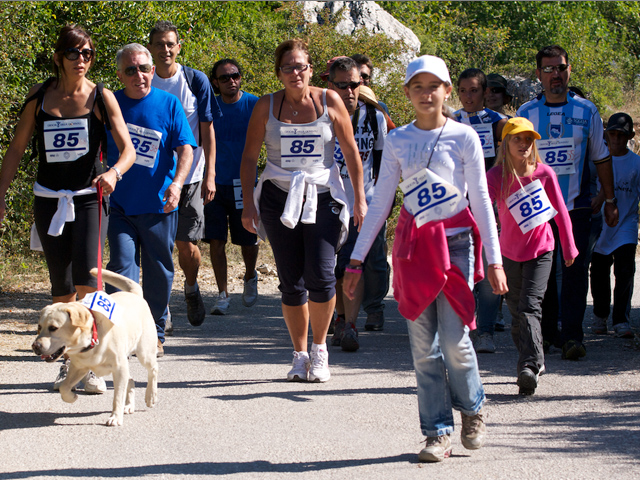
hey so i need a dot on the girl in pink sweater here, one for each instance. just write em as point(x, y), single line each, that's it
point(528, 196)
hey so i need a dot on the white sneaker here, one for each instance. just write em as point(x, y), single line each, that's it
point(222, 304)
point(62, 375)
point(93, 384)
point(623, 330)
point(250, 293)
point(484, 343)
point(319, 371)
point(299, 367)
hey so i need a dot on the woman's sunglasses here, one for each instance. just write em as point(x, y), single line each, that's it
point(73, 54)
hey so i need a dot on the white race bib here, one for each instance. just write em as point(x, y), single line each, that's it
point(559, 154)
point(530, 206)
point(427, 197)
point(101, 303)
point(237, 193)
point(485, 132)
point(66, 140)
point(146, 142)
point(301, 147)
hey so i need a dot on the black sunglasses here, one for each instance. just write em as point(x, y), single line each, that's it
point(345, 85)
point(73, 54)
point(132, 70)
point(365, 76)
point(560, 68)
point(224, 78)
point(497, 90)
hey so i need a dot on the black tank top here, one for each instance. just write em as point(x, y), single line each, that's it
point(68, 149)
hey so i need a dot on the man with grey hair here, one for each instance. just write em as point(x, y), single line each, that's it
point(144, 211)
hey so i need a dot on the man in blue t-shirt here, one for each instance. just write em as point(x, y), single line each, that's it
point(144, 211)
point(224, 212)
point(572, 144)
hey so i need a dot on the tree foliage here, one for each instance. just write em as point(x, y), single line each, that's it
point(603, 40)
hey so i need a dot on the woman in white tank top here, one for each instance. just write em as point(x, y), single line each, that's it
point(297, 124)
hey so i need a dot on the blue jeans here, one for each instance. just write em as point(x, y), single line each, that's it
point(487, 303)
point(443, 357)
point(376, 274)
point(145, 241)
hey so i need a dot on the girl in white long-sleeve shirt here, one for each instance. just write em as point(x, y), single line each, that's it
point(441, 163)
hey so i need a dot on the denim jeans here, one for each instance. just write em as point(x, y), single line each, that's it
point(527, 283)
point(487, 303)
point(443, 357)
point(145, 241)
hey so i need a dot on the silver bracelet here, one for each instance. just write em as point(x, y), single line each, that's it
point(177, 185)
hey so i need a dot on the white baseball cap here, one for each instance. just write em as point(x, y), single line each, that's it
point(428, 64)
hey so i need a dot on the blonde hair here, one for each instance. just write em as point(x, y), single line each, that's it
point(508, 170)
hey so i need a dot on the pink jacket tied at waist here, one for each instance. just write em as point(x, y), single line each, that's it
point(422, 269)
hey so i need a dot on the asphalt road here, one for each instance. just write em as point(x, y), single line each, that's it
point(225, 410)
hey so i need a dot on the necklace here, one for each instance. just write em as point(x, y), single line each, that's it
point(295, 112)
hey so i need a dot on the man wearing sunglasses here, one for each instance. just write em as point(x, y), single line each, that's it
point(572, 144)
point(194, 91)
point(144, 209)
point(366, 74)
point(344, 79)
point(224, 212)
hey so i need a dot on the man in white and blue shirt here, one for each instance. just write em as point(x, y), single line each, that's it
point(572, 144)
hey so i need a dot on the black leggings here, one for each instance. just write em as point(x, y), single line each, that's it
point(305, 255)
point(74, 252)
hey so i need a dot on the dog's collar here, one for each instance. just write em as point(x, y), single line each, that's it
point(94, 334)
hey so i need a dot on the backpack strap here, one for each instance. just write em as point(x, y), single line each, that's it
point(101, 106)
point(38, 96)
point(377, 154)
point(190, 75)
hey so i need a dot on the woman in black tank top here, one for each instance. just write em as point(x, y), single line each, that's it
point(69, 114)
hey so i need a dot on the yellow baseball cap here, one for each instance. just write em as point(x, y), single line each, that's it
point(519, 125)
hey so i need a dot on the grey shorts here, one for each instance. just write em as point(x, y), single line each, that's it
point(191, 214)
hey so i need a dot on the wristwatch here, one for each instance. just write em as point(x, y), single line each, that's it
point(613, 200)
point(118, 174)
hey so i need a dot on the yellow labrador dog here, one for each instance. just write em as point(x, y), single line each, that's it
point(69, 328)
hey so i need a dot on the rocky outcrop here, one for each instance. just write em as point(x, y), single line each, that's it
point(367, 15)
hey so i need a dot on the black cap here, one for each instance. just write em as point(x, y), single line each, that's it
point(496, 81)
point(620, 122)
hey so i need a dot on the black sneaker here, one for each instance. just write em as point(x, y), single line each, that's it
point(375, 321)
point(337, 331)
point(349, 341)
point(195, 308)
point(527, 381)
point(573, 350)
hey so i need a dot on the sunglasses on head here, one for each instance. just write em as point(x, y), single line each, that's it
point(224, 78)
point(552, 68)
point(73, 54)
point(298, 68)
point(345, 85)
point(132, 70)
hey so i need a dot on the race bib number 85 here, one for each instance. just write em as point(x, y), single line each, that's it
point(530, 206)
point(559, 154)
point(66, 140)
point(301, 146)
point(100, 302)
point(427, 196)
point(146, 142)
